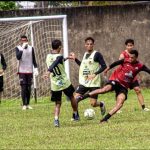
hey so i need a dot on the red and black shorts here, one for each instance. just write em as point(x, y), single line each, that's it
point(118, 88)
point(134, 84)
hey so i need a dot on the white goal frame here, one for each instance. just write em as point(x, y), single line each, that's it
point(64, 32)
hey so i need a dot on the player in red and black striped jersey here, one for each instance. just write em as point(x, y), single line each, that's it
point(120, 80)
point(136, 82)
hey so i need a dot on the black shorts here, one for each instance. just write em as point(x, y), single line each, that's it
point(25, 79)
point(134, 84)
point(118, 88)
point(82, 90)
point(1, 83)
point(57, 95)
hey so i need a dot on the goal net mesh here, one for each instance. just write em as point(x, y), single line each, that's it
point(43, 31)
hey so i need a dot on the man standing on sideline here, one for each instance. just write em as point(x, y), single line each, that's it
point(3, 67)
point(129, 43)
point(91, 66)
point(26, 56)
point(120, 80)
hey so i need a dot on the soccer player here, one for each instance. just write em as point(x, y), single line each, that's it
point(3, 67)
point(91, 66)
point(26, 57)
point(120, 80)
point(59, 81)
point(135, 85)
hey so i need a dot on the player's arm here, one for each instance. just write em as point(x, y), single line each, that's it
point(146, 69)
point(99, 58)
point(58, 60)
point(121, 56)
point(33, 58)
point(18, 53)
point(3, 62)
point(114, 64)
point(76, 60)
point(73, 56)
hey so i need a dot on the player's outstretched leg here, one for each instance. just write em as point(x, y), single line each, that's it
point(82, 97)
point(120, 101)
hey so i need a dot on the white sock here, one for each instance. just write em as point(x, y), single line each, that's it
point(75, 112)
point(56, 117)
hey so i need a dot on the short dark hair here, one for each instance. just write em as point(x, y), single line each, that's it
point(23, 36)
point(135, 52)
point(129, 41)
point(89, 38)
point(56, 43)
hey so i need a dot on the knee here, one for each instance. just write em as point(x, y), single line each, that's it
point(137, 90)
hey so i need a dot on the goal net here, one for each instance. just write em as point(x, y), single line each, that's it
point(40, 30)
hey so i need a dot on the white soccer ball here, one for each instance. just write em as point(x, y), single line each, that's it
point(89, 114)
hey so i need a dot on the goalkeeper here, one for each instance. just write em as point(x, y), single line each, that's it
point(59, 81)
point(3, 67)
point(26, 57)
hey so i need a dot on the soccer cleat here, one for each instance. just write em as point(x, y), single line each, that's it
point(146, 109)
point(24, 107)
point(29, 107)
point(102, 108)
point(56, 123)
point(103, 121)
point(75, 117)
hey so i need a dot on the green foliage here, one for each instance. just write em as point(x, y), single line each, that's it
point(85, 3)
point(33, 129)
point(7, 5)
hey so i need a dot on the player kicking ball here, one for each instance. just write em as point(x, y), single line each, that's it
point(120, 80)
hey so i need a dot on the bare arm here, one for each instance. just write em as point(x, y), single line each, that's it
point(121, 56)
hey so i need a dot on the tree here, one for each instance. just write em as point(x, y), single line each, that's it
point(8, 5)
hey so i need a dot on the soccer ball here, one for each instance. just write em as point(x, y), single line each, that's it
point(89, 114)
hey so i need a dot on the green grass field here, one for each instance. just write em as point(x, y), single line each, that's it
point(33, 129)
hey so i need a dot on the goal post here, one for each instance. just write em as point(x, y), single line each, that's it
point(40, 30)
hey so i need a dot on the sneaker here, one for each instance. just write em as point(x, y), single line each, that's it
point(75, 117)
point(24, 107)
point(103, 109)
point(56, 123)
point(146, 109)
point(29, 107)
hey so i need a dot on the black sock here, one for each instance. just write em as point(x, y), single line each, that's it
point(106, 117)
point(23, 94)
point(28, 92)
point(101, 104)
point(143, 106)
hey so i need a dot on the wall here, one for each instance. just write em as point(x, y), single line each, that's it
point(110, 26)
